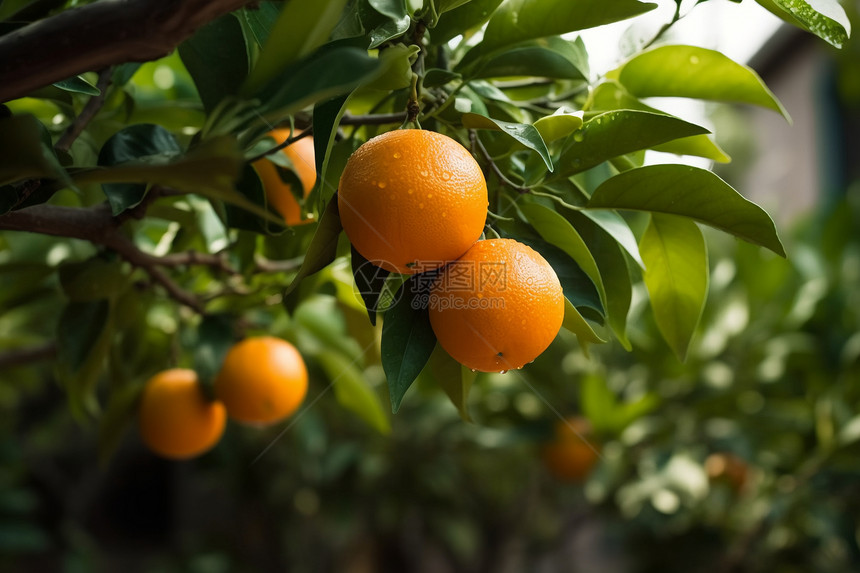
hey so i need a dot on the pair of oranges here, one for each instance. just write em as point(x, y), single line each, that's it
point(262, 381)
point(414, 201)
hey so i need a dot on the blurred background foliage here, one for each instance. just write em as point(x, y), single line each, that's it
point(744, 458)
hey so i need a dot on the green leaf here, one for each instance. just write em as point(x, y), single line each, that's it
point(215, 336)
point(83, 340)
point(560, 124)
point(130, 144)
point(326, 118)
point(575, 323)
point(824, 18)
point(693, 72)
point(520, 20)
point(610, 259)
point(370, 281)
point(615, 225)
point(78, 84)
point(91, 279)
point(395, 69)
point(676, 276)
point(598, 402)
point(462, 19)
point(558, 231)
point(397, 22)
point(217, 59)
point(552, 57)
point(524, 133)
point(261, 20)
point(302, 27)
point(26, 154)
point(352, 392)
point(691, 192)
point(118, 416)
point(334, 70)
point(697, 145)
point(454, 379)
point(615, 133)
point(251, 188)
point(407, 339)
point(323, 248)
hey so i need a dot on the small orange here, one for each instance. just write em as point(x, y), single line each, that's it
point(263, 380)
point(412, 200)
point(497, 307)
point(571, 455)
point(278, 193)
point(176, 419)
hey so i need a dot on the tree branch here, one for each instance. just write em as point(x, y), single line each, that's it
point(87, 114)
point(98, 226)
point(98, 35)
point(26, 355)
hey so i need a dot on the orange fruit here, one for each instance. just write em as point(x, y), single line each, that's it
point(176, 419)
point(728, 468)
point(497, 307)
point(412, 200)
point(263, 380)
point(571, 455)
point(278, 193)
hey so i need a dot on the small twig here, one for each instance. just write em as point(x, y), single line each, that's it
point(280, 146)
point(20, 356)
point(477, 146)
point(188, 258)
point(88, 113)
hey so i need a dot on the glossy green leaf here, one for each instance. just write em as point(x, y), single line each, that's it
point(395, 69)
point(519, 20)
point(323, 248)
point(575, 323)
point(78, 84)
point(217, 59)
point(261, 19)
point(332, 71)
point(130, 144)
point(397, 22)
point(454, 379)
point(693, 72)
point(215, 336)
point(618, 229)
point(370, 281)
point(352, 392)
point(407, 340)
point(552, 57)
point(696, 145)
point(25, 154)
point(606, 249)
point(118, 416)
point(558, 125)
point(83, 339)
point(462, 19)
point(250, 187)
point(598, 401)
point(691, 192)
point(824, 18)
point(326, 118)
point(302, 27)
point(615, 133)
point(91, 279)
point(558, 231)
point(524, 133)
point(676, 276)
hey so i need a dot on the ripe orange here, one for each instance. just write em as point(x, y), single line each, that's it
point(570, 457)
point(262, 381)
point(728, 468)
point(412, 200)
point(278, 193)
point(175, 418)
point(497, 307)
